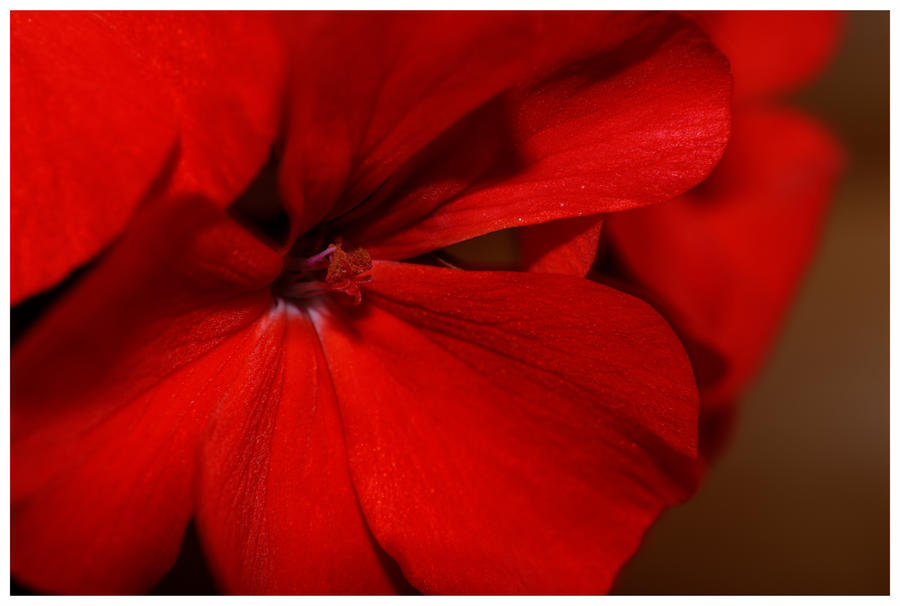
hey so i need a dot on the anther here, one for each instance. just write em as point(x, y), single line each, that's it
point(343, 272)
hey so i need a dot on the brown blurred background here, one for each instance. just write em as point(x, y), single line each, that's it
point(799, 503)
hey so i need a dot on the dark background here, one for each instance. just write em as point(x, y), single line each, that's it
point(799, 503)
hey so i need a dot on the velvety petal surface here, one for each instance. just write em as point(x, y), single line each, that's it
point(276, 509)
point(374, 88)
point(723, 262)
point(509, 432)
point(773, 51)
point(361, 116)
point(111, 390)
point(105, 105)
point(566, 246)
point(630, 125)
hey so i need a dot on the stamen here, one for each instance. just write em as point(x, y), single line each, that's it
point(343, 272)
point(311, 262)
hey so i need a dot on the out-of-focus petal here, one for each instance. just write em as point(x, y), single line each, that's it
point(723, 262)
point(276, 508)
point(773, 51)
point(509, 432)
point(110, 393)
point(105, 105)
point(566, 246)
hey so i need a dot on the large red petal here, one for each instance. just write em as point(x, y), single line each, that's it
point(509, 432)
point(636, 123)
point(723, 261)
point(379, 89)
point(276, 508)
point(773, 51)
point(111, 390)
point(103, 103)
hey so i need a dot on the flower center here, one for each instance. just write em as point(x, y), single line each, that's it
point(331, 270)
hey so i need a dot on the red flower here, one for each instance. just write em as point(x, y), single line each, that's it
point(745, 236)
point(488, 432)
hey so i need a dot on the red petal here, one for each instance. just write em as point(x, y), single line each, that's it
point(111, 390)
point(104, 103)
point(373, 88)
point(509, 432)
point(567, 246)
point(639, 122)
point(723, 262)
point(773, 51)
point(277, 512)
point(381, 91)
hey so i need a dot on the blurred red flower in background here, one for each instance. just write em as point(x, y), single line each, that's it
point(725, 276)
point(474, 432)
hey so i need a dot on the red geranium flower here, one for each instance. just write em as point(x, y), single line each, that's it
point(488, 432)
